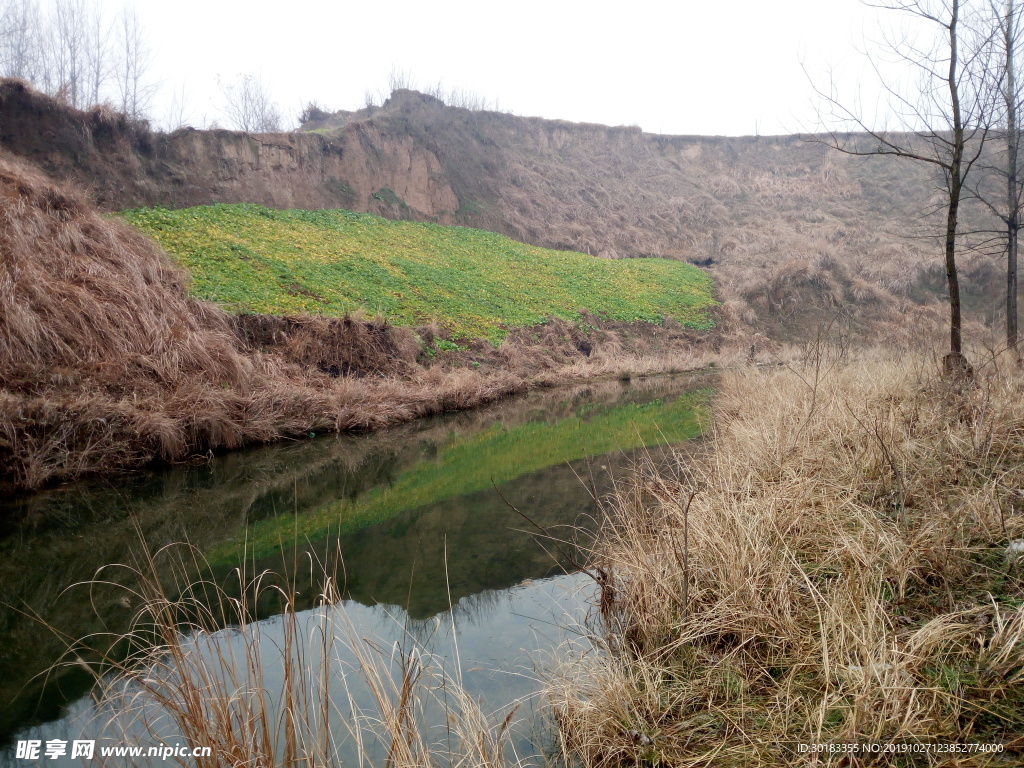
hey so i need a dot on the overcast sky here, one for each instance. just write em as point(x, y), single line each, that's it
point(683, 67)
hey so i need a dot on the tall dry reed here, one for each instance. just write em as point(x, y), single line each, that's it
point(199, 668)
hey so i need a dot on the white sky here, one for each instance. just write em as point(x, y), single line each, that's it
point(730, 67)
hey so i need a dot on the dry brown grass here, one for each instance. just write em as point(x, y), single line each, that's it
point(306, 689)
point(352, 344)
point(838, 577)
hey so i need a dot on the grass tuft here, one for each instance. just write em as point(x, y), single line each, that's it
point(305, 688)
point(831, 571)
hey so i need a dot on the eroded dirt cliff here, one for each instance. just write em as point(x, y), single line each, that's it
point(123, 164)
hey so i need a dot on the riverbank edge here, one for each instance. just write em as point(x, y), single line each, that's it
point(108, 363)
point(455, 381)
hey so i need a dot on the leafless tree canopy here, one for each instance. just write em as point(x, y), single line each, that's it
point(71, 50)
point(940, 110)
point(1000, 187)
point(248, 106)
point(177, 113)
point(133, 61)
point(20, 34)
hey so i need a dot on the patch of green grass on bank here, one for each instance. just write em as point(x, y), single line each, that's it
point(470, 464)
point(475, 283)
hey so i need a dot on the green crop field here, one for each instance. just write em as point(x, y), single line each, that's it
point(472, 282)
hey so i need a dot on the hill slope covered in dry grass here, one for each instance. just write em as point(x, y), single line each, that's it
point(792, 230)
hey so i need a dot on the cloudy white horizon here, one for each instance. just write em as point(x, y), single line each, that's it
point(682, 68)
point(739, 68)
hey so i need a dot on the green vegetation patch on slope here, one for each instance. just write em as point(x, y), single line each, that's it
point(491, 457)
point(473, 282)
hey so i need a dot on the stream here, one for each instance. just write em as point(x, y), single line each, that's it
point(456, 535)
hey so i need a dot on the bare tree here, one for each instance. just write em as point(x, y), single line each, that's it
point(1001, 190)
point(97, 58)
point(68, 50)
point(943, 122)
point(20, 44)
point(1011, 98)
point(248, 107)
point(134, 58)
point(1010, 39)
point(73, 53)
point(179, 112)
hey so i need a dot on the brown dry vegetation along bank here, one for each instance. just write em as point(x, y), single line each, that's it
point(842, 575)
point(107, 364)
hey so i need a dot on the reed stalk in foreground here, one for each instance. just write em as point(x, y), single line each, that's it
point(836, 569)
point(305, 688)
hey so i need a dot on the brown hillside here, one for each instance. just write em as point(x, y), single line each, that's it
point(123, 164)
point(791, 231)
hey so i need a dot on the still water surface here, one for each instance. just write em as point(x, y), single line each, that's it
point(430, 547)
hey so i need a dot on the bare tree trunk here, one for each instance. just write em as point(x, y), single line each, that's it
point(1011, 287)
point(132, 65)
point(952, 280)
point(70, 42)
point(956, 180)
point(248, 107)
point(96, 55)
point(945, 124)
point(22, 54)
point(1012, 191)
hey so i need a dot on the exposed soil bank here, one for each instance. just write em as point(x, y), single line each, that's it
point(107, 364)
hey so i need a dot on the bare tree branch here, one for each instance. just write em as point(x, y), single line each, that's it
point(945, 120)
point(248, 107)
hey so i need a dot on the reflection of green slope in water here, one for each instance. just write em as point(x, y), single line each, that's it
point(465, 537)
point(492, 457)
